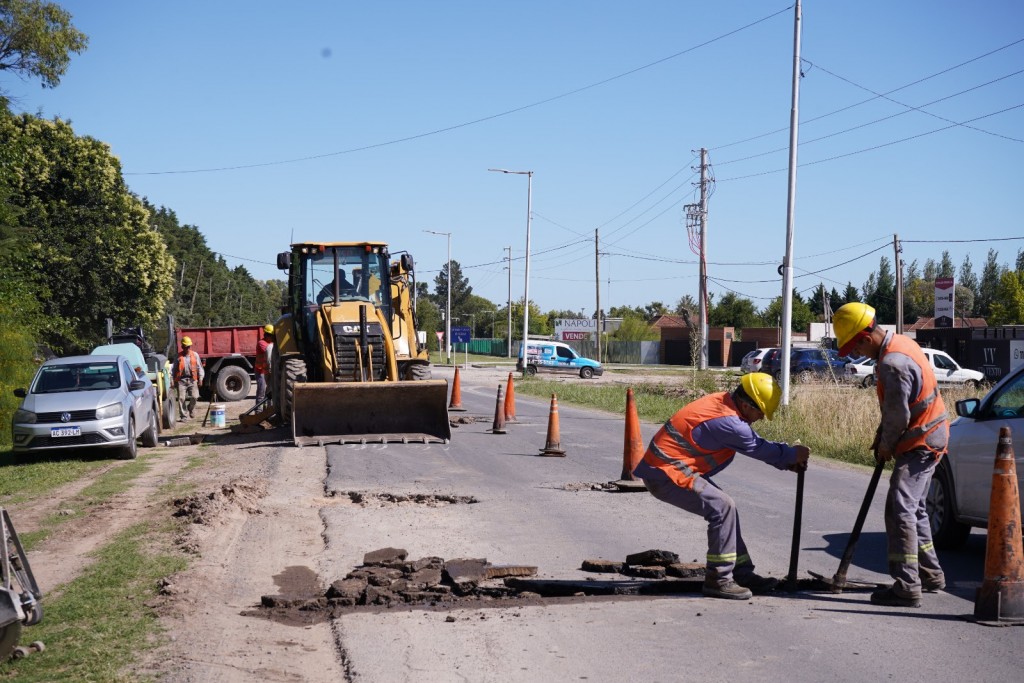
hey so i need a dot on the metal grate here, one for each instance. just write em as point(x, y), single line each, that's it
point(345, 350)
point(76, 416)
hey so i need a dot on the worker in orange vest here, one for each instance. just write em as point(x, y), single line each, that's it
point(188, 375)
point(699, 441)
point(262, 368)
point(914, 432)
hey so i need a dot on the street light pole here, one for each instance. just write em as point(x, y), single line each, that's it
point(526, 285)
point(448, 309)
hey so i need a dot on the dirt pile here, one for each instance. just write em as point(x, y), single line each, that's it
point(243, 494)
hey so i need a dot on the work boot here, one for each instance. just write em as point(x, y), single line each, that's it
point(933, 585)
point(758, 585)
point(890, 598)
point(729, 590)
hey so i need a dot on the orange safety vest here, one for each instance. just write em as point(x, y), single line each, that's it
point(927, 411)
point(261, 357)
point(181, 366)
point(673, 449)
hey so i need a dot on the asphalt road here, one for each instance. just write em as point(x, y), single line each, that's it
point(528, 511)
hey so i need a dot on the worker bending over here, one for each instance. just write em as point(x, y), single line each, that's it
point(914, 430)
point(699, 441)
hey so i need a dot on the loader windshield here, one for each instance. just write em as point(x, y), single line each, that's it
point(350, 273)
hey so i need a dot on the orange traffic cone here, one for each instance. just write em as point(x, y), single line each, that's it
point(553, 447)
point(510, 401)
point(632, 447)
point(1000, 599)
point(499, 416)
point(456, 402)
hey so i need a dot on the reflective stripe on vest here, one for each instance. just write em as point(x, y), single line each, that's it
point(673, 449)
point(927, 411)
point(195, 366)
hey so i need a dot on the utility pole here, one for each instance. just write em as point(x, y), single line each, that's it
point(899, 282)
point(787, 264)
point(703, 259)
point(597, 287)
point(509, 250)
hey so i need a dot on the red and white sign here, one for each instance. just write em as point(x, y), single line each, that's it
point(575, 336)
point(440, 336)
point(944, 291)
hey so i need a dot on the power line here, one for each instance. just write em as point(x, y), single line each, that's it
point(484, 119)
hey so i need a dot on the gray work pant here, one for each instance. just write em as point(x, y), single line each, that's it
point(727, 553)
point(188, 396)
point(911, 552)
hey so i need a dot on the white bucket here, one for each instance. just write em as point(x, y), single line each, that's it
point(217, 415)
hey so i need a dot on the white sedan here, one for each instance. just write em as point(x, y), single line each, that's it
point(962, 485)
point(860, 372)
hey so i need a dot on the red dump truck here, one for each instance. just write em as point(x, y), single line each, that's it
point(228, 355)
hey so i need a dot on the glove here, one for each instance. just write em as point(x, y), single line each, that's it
point(803, 454)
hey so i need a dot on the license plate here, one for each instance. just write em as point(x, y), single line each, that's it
point(65, 431)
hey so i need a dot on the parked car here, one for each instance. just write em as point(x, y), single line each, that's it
point(86, 401)
point(810, 364)
point(947, 371)
point(752, 361)
point(959, 495)
point(558, 357)
point(861, 372)
point(771, 363)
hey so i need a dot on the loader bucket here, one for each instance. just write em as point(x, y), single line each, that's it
point(371, 412)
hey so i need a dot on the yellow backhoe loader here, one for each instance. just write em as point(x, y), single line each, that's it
point(348, 365)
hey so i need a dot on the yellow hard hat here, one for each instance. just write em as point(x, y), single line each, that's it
point(269, 329)
point(186, 341)
point(764, 391)
point(849, 321)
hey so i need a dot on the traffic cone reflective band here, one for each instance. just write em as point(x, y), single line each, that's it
point(1000, 600)
point(510, 400)
point(553, 447)
point(456, 402)
point(499, 415)
point(633, 445)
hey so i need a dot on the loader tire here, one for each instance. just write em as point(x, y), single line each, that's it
point(293, 370)
point(170, 412)
point(419, 372)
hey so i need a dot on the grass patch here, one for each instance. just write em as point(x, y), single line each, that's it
point(836, 422)
point(95, 629)
point(23, 478)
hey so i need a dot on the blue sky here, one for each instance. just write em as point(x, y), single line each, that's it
point(321, 119)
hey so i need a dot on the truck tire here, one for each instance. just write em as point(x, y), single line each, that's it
point(233, 383)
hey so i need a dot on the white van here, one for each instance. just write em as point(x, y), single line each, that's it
point(947, 371)
point(558, 357)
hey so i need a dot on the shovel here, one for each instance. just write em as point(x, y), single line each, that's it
point(839, 581)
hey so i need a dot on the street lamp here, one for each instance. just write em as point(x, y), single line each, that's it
point(448, 310)
point(526, 286)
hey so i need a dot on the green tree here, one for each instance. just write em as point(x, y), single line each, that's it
point(91, 252)
point(686, 303)
point(990, 277)
point(36, 40)
point(636, 328)
point(880, 292)
point(849, 294)
point(946, 267)
point(460, 288)
point(1008, 306)
point(733, 310)
point(801, 318)
point(970, 282)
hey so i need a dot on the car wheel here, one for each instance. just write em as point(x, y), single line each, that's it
point(805, 376)
point(977, 384)
point(947, 532)
point(777, 375)
point(149, 437)
point(531, 370)
point(233, 383)
point(131, 450)
point(586, 373)
point(868, 382)
point(170, 412)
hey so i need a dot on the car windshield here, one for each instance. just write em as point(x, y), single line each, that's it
point(55, 379)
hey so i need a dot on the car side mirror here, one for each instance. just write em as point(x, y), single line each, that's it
point(136, 385)
point(968, 407)
point(20, 393)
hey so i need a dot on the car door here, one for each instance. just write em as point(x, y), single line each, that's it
point(566, 358)
point(141, 403)
point(974, 446)
point(944, 368)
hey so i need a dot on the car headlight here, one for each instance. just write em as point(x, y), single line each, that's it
point(113, 410)
point(22, 416)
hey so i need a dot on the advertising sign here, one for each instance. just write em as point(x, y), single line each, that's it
point(944, 302)
point(1016, 354)
point(575, 329)
point(461, 335)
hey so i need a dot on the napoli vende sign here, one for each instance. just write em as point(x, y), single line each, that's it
point(575, 329)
